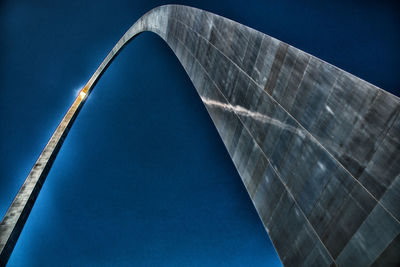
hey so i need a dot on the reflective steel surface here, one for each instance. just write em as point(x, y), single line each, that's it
point(316, 147)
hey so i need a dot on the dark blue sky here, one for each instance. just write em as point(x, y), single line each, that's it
point(143, 176)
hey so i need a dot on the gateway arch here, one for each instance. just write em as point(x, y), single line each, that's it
point(317, 148)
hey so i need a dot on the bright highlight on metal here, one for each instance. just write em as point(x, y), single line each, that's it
point(82, 94)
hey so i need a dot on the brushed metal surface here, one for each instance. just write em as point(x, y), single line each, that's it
point(317, 148)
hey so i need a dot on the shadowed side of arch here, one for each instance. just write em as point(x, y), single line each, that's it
point(316, 147)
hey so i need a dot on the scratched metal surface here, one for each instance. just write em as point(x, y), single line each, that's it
point(316, 147)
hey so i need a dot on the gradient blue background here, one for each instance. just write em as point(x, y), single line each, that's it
point(143, 177)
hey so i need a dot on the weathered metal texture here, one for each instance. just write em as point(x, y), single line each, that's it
point(317, 148)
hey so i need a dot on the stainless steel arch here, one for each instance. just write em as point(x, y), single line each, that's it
point(316, 147)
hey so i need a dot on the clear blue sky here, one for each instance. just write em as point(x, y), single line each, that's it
point(143, 176)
